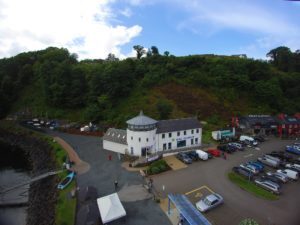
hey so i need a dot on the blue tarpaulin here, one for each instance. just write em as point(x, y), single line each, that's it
point(187, 210)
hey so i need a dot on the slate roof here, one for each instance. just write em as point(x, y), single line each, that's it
point(164, 126)
point(141, 120)
point(116, 135)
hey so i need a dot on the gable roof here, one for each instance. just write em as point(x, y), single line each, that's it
point(116, 135)
point(164, 126)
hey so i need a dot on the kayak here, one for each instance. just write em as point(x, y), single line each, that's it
point(65, 182)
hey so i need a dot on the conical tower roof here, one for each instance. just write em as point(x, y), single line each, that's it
point(141, 120)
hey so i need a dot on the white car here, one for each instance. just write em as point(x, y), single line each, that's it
point(250, 168)
point(293, 175)
point(209, 202)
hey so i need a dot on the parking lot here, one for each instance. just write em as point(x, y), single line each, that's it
point(203, 177)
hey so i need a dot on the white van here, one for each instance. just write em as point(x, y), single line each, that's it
point(293, 175)
point(248, 140)
point(202, 154)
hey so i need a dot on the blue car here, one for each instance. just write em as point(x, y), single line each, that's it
point(258, 165)
point(293, 149)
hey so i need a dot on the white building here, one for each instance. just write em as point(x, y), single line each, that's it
point(145, 136)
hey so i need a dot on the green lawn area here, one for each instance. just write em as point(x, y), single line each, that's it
point(251, 187)
point(66, 206)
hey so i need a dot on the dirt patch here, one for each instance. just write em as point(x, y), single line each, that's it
point(174, 163)
point(193, 101)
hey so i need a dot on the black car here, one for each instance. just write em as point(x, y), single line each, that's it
point(184, 158)
point(272, 178)
point(259, 138)
point(225, 148)
point(243, 172)
point(193, 155)
point(282, 155)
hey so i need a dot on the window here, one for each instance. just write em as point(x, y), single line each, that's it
point(147, 139)
point(196, 140)
point(164, 146)
point(169, 145)
point(197, 131)
point(131, 138)
point(170, 135)
point(184, 132)
point(178, 133)
point(192, 131)
point(192, 141)
point(139, 139)
point(163, 136)
point(131, 149)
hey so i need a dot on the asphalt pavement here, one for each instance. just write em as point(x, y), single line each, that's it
point(238, 204)
point(102, 175)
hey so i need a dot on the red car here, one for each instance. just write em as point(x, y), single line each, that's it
point(214, 152)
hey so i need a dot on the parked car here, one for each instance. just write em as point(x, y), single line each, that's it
point(184, 158)
point(284, 178)
point(225, 148)
point(258, 165)
point(248, 140)
point(295, 167)
point(259, 138)
point(214, 152)
point(243, 172)
point(202, 154)
point(209, 202)
point(293, 175)
point(293, 149)
point(250, 168)
point(236, 145)
point(268, 185)
point(272, 157)
point(271, 178)
point(210, 156)
point(193, 155)
point(282, 155)
point(268, 162)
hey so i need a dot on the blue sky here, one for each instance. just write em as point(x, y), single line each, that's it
point(94, 28)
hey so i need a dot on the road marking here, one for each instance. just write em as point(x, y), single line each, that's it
point(198, 195)
point(197, 189)
point(246, 156)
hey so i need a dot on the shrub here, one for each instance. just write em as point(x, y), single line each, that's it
point(157, 167)
point(155, 170)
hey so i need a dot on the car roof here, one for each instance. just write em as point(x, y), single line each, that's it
point(212, 197)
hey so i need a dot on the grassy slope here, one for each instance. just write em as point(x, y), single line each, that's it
point(251, 187)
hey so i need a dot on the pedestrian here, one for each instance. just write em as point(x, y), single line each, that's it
point(116, 185)
point(225, 157)
point(109, 157)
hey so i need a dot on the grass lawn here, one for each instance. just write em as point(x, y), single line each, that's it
point(251, 187)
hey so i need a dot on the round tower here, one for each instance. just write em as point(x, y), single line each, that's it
point(141, 132)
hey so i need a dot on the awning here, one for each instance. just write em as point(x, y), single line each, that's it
point(187, 210)
point(110, 208)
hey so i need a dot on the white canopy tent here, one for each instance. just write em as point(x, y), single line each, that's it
point(110, 208)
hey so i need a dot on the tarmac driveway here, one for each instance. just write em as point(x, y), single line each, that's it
point(239, 204)
point(139, 208)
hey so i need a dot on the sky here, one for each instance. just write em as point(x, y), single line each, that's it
point(94, 28)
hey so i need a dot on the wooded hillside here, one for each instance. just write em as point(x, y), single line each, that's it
point(53, 82)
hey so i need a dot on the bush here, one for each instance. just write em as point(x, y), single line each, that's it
point(248, 222)
point(157, 167)
point(155, 170)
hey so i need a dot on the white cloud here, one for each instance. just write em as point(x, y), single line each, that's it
point(82, 26)
point(269, 26)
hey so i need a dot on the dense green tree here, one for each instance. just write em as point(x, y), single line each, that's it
point(164, 109)
point(154, 50)
point(140, 51)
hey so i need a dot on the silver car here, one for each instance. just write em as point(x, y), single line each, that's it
point(209, 202)
point(284, 178)
point(268, 185)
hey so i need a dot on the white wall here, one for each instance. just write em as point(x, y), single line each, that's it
point(141, 139)
point(174, 138)
point(115, 147)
